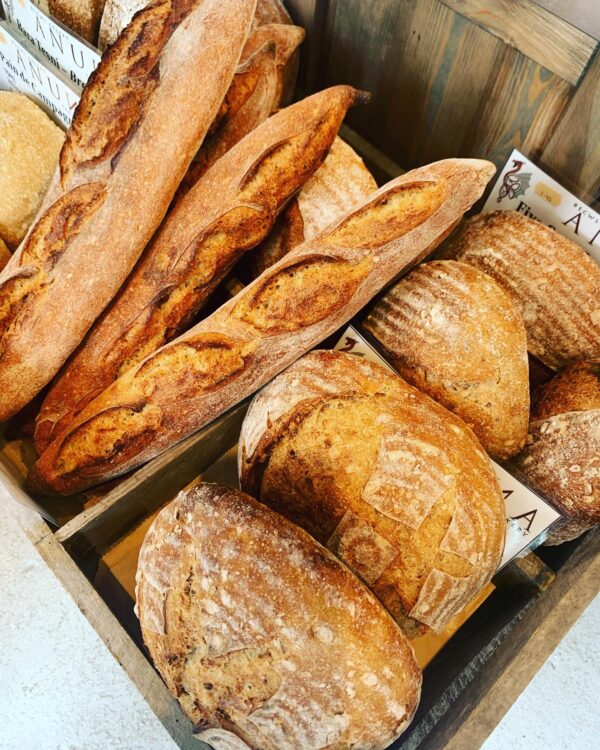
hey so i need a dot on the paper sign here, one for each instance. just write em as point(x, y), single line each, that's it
point(24, 71)
point(528, 516)
point(523, 187)
point(63, 48)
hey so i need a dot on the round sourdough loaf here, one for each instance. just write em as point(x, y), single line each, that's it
point(562, 455)
point(390, 481)
point(452, 332)
point(555, 284)
point(257, 629)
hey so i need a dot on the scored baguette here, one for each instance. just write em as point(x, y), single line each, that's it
point(228, 212)
point(288, 310)
point(140, 120)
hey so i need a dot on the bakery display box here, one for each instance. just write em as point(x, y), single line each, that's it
point(478, 82)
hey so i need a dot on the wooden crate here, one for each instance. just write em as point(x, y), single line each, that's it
point(449, 78)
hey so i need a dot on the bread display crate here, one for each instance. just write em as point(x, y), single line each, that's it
point(490, 87)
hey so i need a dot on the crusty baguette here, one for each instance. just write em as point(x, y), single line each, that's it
point(4, 254)
point(288, 310)
point(228, 212)
point(452, 332)
point(555, 284)
point(251, 98)
point(562, 456)
point(391, 482)
point(304, 657)
point(341, 183)
point(270, 11)
point(140, 120)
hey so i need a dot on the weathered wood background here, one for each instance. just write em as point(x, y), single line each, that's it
point(462, 78)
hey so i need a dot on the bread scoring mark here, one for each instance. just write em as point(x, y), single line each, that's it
point(47, 241)
point(118, 90)
point(302, 293)
point(389, 216)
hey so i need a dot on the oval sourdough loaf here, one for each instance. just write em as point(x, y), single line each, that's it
point(555, 284)
point(340, 183)
point(140, 120)
point(562, 455)
point(289, 309)
point(228, 212)
point(391, 482)
point(304, 657)
point(452, 332)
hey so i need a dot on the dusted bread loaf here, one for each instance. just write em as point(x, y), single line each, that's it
point(555, 284)
point(562, 455)
point(341, 183)
point(228, 212)
point(391, 482)
point(256, 628)
point(452, 332)
point(293, 306)
point(141, 118)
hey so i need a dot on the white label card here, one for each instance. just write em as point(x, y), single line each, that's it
point(524, 187)
point(62, 47)
point(528, 517)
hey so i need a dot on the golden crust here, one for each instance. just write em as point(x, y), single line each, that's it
point(370, 245)
point(555, 284)
point(284, 663)
point(452, 332)
point(576, 388)
point(388, 480)
point(223, 216)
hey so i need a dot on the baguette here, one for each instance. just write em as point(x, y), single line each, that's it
point(555, 284)
point(255, 660)
point(140, 120)
point(4, 254)
point(293, 306)
point(341, 183)
point(228, 212)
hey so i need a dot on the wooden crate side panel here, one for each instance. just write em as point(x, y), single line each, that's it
point(572, 154)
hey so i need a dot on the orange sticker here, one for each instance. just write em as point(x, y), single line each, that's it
point(548, 193)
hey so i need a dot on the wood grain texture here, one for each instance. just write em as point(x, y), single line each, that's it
point(534, 31)
point(572, 153)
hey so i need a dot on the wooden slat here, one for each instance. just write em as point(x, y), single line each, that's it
point(572, 154)
point(152, 485)
point(521, 109)
point(310, 14)
point(534, 31)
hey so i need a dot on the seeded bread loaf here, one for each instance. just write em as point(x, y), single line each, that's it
point(305, 657)
point(82, 16)
point(283, 314)
point(228, 212)
point(387, 479)
point(452, 332)
point(555, 284)
point(140, 120)
point(341, 183)
point(562, 456)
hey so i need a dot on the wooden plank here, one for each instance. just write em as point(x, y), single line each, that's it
point(534, 31)
point(580, 13)
point(310, 14)
point(521, 109)
point(572, 154)
point(98, 527)
point(441, 82)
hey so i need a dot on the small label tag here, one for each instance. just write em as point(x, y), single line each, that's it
point(62, 47)
point(528, 517)
point(524, 187)
point(22, 70)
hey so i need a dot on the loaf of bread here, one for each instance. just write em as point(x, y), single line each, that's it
point(82, 16)
point(341, 183)
point(390, 481)
point(293, 306)
point(29, 147)
point(303, 658)
point(251, 98)
point(562, 456)
point(141, 118)
point(228, 212)
point(4, 254)
point(555, 284)
point(452, 332)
